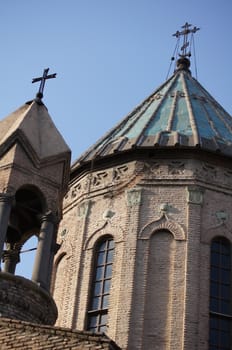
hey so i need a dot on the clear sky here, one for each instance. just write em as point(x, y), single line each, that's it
point(108, 56)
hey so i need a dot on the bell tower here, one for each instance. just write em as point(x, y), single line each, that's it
point(34, 172)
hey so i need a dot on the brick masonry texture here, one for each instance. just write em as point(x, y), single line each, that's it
point(27, 336)
point(23, 300)
point(162, 214)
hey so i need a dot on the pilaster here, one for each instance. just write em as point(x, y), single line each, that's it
point(192, 276)
point(5, 209)
point(133, 198)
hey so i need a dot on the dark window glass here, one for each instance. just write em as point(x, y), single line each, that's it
point(98, 311)
point(220, 295)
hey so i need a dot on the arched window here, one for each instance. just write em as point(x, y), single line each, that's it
point(98, 306)
point(220, 295)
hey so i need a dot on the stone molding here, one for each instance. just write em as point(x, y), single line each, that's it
point(163, 223)
point(106, 228)
point(220, 230)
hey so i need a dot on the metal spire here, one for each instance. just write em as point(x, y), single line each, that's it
point(42, 80)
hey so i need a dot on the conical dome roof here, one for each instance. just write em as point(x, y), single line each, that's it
point(180, 113)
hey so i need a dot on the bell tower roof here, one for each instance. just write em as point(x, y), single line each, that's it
point(34, 126)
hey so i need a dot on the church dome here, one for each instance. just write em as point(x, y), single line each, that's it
point(180, 114)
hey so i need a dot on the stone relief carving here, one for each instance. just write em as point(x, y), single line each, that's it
point(83, 209)
point(119, 172)
point(176, 168)
point(119, 176)
point(134, 197)
point(101, 180)
point(195, 195)
point(209, 169)
point(153, 168)
point(206, 171)
point(222, 216)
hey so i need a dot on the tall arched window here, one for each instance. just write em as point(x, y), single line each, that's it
point(98, 306)
point(220, 295)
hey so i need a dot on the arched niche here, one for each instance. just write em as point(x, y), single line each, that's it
point(163, 223)
point(27, 256)
point(159, 287)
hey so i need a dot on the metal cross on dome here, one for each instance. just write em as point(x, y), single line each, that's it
point(42, 81)
point(185, 33)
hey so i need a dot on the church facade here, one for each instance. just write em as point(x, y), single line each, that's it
point(157, 189)
point(142, 256)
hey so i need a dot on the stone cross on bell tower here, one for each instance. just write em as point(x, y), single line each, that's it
point(42, 80)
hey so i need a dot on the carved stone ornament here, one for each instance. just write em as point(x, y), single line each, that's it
point(116, 176)
point(207, 172)
point(99, 178)
point(176, 168)
point(222, 216)
point(83, 209)
point(134, 197)
point(195, 195)
point(154, 168)
point(119, 172)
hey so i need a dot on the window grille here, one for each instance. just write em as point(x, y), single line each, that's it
point(98, 306)
point(220, 295)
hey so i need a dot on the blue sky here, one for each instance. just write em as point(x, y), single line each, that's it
point(108, 56)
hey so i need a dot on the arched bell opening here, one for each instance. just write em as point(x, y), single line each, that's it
point(24, 222)
point(27, 257)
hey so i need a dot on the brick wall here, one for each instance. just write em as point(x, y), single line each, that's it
point(26, 336)
point(192, 200)
point(23, 300)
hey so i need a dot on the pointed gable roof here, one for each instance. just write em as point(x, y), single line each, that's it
point(180, 113)
point(33, 125)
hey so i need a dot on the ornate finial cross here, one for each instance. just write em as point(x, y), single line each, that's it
point(42, 80)
point(185, 32)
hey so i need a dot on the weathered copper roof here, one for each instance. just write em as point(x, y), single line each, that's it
point(180, 113)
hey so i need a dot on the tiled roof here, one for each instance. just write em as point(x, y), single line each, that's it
point(27, 336)
point(180, 113)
